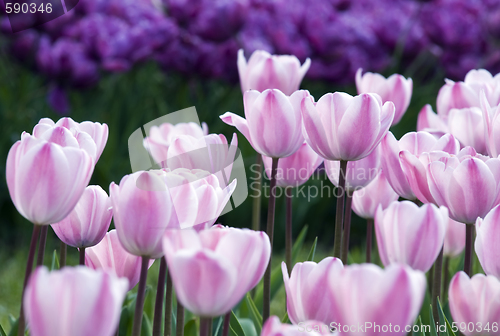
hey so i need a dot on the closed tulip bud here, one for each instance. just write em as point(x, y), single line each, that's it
point(213, 269)
point(358, 174)
point(342, 127)
point(306, 288)
point(142, 211)
point(410, 235)
point(273, 123)
point(75, 301)
point(274, 327)
point(365, 201)
point(366, 293)
point(474, 302)
point(454, 239)
point(467, 184)
point(265, 71)
point(46, 180)
point(87, 224)
point(491, 126)
point(296, 169)
point(486, 244)
point(161, 137)
point(395, 88)
point(413, 145)
point(110, 256)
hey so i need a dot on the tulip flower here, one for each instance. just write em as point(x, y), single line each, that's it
point(413, 145)
point(110, 256)
point(366, 294)
point(210, 152)
point(273, 123)
point(395, 88)
point(358, 174)
point(89, 221)
point(46, 180)
point(274, 327)
point(306, 288)
point(429, 121)
point(365, 201)
point(75, 301)
point(467, 126)
point(84, 132)
point(207, 199)
point(213, 269)
point(491, 126)
point(454, 239)
point(410, 235)
point(486, 244)
point(265, 71)
point(342, 127)
point(296, 169)
point(474, 304)
point(142, 210)
point(161, 137)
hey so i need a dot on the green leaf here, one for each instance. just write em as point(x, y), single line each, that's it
point(442, 317)
point(146, 327)
point(218, 330)
point(125, 322)
point(297, 245)
point(248, 327)
point(432, 324)
point(13, 330)
point(419, 332)
point(254, 312)
point(235, 328)
point(285, 318)
point(310, 256)
point(190, 328)
point(2, 332)
point(55, 261)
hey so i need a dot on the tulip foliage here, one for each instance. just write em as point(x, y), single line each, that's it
point(428, 198)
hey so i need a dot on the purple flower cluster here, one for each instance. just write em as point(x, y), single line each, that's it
point(202, 37)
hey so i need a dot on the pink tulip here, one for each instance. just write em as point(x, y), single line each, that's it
point(91, 136)
point(273, 123)
point(110, 256)
point(467, 184)
point(467, 126)
point(474, 304)
point(210, 152)
point(207, 198)
point(365, 201)
point(342, 127)
point(454, 239)
point(395, 88)
point(465, 94)
point(46, 180)
point(412, 145)
point(358, 174)
point(161, 137)
point(75, 301)
point(305, 290)
point(429, 121)
point(213, 269)
point(265, 71)
point(491, 126)
point(142, 211)
point(296, 169)
point(486, 245)
point(376, 299)
point(274, 327)
point(410, 235)
point(87, 224)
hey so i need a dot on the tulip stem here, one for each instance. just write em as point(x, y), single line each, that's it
point(347, 228)
point(339, 215)
point(168, 306)
point(270, 232)
point(62, 251)
point(469, 237)
point(204, 325)
point(179, 331)
point(257, 194)
point(139, 303)
point(288, 230)
point(160, 291)
point(225, 327)
point(29, 267)
point(81, 251)
point(446, 277)
point(369, 239)
point(436, 285)
point(41, 245)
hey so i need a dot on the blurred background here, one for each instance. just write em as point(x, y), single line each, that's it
point(127, 62)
